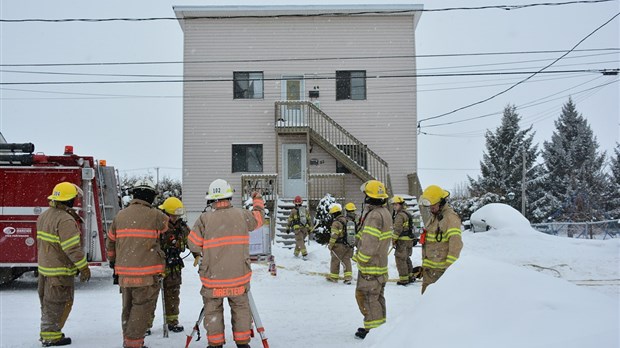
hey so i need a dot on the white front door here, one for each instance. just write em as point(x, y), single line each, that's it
point(294, 169)
point(293, 90)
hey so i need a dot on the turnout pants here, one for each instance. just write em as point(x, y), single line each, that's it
point(370, 299)
point(343, 254)
point(172, 290)
point(402, 255)
point(138, 311)
point(300, 244)
point(56, 298)
point(241, 317)
point(429, 276)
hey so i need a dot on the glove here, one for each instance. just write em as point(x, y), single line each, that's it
point(196, 260)
point(330, 247)
point(84, 274)
point(111, 264)
point(288, 231)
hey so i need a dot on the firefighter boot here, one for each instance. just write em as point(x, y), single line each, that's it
point(175, 328)
point(64, 341)
point(361, 333)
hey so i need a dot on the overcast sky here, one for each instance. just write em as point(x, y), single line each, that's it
point(138, 127)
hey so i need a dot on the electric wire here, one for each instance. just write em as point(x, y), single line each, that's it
point(325, 14)
point(522, 81)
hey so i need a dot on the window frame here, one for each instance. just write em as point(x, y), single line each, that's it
point(240, 93)
point(243, 165)
point(345, 85)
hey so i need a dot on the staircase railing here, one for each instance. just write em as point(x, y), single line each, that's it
point(303, 116)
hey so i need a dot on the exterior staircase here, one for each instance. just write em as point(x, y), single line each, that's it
point(305, 117)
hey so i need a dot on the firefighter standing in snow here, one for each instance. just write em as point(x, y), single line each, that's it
point(299, 223)
point(222, 236)
point(350, 215)
point(134, 251)
point(173, 243)
point(402, 241)
point(341, 250)
point(374, 238)
point(443, 243)
point(60, 258)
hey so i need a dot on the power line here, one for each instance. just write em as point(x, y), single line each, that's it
point(312, 78)
point(324, 14)
point(520, 82)
point(444, 55)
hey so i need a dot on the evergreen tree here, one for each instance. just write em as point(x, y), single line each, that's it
point(323, 220)
point(502, 162)
point(574, 179)
point(613, 191)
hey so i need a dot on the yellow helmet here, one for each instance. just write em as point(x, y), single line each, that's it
point(374, 189)
point(398, 200)
point(433, 195)
point(173, 206)
point(65, 191)
point(350, 207)
point(335, 208)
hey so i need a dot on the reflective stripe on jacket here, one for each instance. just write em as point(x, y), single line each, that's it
point(401, 226)
point(59, 242)
point(375, 237)
point(443, 243)
point(133, 241)
point(222, 237)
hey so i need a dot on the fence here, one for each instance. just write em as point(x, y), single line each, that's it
point(589, 230)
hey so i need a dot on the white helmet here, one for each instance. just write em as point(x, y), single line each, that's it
point(219, 189)
point(145, 184)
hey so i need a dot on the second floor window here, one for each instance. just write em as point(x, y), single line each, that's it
point(247, 158)
point(351, 85)
point(248, 85)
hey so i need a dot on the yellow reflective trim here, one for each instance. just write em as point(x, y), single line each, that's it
point(372, 270)
point(431, 264)
point(75, 240)
point(372, 231)
point(51, 335)
point(48, 237)
point(374, 323)
point(57, 271)
point(362, 257)
point(82, 263)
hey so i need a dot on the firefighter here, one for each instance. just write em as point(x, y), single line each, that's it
point(299, 223)
point(173, 243)
point(341, 250)
point(135, 254)
point(443, 242)
point(60, 258)
point(402, 241)
point(222, 236)
point(350, 212)
point(373, 241)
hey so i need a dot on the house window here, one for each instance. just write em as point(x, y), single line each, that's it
point(357, 153)
point(247, 158)
point(248, 85)
point(351, 85)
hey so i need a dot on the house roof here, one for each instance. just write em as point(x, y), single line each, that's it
point(185, 12)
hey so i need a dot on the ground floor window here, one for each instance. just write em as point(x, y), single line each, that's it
point(247, 158)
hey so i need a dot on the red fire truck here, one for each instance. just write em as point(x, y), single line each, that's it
point(26, 179)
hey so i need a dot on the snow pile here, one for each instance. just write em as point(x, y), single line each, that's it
point(497, 216)
point(484, 303)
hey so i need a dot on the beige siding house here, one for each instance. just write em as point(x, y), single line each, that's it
point(299, 100)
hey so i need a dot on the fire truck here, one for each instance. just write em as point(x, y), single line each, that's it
point(27, 179)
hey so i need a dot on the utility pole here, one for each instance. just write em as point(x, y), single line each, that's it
point(157, 183)
point(523, 187)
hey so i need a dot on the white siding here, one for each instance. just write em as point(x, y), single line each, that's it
point(213, 120)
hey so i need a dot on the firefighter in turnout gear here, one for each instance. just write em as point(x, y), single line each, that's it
point(299, 223)
point(341, 250)
point(135, 254)
point(173, 243)
point(350, 212)
point(402, 241)
point(373, 241)
point(60, 258)
point(443, 243)
point(222, 236)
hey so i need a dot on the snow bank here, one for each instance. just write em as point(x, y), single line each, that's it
point(485, 303)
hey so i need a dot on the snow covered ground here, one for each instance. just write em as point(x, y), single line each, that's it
point(512, 287)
